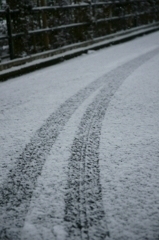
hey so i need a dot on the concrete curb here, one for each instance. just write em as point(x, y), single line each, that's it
point(72, 51)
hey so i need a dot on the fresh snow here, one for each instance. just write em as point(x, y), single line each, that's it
point(129, 156)
point(128, 147)
point(54, 177)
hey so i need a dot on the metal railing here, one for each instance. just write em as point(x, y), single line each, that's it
point(33, 30)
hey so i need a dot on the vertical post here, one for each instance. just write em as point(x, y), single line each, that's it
point(135, 14)
point(44, 19)
point(110, 16)
point(130, 11)
point(93, 19)
point(9, 29)
point(123, 16)
point(14, 23)
point(154, 9)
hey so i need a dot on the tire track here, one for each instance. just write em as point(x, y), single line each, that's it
point(84, 213)
point(16, 191)
point(85, 218)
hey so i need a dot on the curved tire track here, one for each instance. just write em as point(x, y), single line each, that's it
point(16, 191)
point(84, 212)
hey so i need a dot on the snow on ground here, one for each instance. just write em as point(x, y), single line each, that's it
point(128, 158)
point(27, 101)
point(54, 177)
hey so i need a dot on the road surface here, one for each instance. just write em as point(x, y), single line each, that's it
point(79, 154)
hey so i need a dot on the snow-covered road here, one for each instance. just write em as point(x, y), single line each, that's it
point(79, 156)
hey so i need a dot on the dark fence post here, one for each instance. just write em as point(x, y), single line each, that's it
point(45, 25)
point(9, 29)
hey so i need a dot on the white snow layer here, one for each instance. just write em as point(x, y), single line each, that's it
point(52, 183)
point(129, 155)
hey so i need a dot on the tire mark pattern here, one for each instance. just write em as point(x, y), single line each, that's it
point(16, 191)
point(84, 213)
